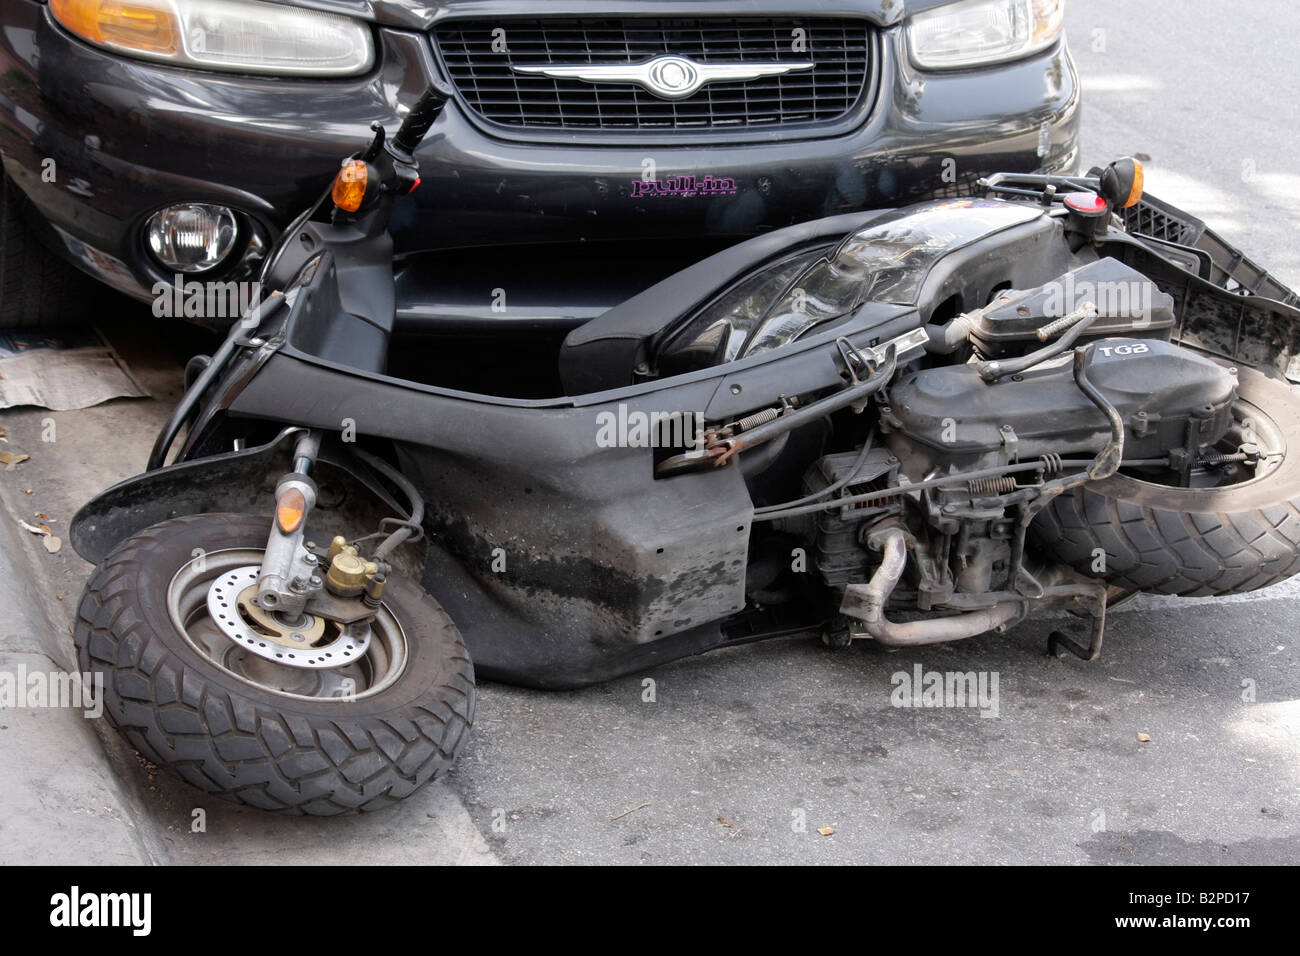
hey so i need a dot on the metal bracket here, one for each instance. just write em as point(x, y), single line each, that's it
point(853, 359)
point(1095, 605)
point(1011, 442)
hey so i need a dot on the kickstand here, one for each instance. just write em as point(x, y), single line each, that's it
point(1096, 608)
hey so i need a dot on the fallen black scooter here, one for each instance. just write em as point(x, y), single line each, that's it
point(906, 426)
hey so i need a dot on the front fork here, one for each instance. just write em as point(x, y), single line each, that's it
point(298, 582)
point(290, 573)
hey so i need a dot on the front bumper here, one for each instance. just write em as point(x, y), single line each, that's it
point(127, 137)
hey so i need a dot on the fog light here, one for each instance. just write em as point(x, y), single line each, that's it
point(192, 236)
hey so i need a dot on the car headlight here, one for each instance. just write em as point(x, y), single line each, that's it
point(978, 32)
point(244, 36)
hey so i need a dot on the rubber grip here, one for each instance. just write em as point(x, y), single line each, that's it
point(418, 121)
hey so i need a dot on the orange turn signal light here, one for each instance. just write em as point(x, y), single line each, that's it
point(290, 509)
point(1121, 183)
point(350, 185)
point(149, 26)
point(1135, 193)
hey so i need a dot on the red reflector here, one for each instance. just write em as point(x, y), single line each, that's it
point(1085, 202)
point(414, 185)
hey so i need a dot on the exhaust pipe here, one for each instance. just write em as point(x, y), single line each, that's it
point(866, 603)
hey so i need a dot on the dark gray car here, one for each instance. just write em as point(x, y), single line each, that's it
point(590, 148)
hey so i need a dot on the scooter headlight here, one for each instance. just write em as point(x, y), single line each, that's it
point(245, 36)
point(978, 32)
point(776, 305)
point(885, 261)
point(192, 236)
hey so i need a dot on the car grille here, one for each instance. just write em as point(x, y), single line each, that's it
point(840, 49)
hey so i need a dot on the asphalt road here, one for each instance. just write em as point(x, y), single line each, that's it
point(771, 736)
point(741, 756)
point(1209, 93)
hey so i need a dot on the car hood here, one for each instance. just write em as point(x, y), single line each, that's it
point(423, 14)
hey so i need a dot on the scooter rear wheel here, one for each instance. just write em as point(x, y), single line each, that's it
point(1224, 538)
point(317, 741)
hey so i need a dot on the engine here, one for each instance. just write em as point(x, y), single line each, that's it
point(1174, 404)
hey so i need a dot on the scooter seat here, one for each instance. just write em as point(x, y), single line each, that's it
point(603, 352)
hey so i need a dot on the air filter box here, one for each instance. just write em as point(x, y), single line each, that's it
point(1127, 302)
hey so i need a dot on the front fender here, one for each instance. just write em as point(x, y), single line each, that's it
point(239, 482)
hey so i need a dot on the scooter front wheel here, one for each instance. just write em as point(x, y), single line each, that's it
point(313, 740)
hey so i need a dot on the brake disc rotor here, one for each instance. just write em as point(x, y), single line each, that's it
point(307, 633)
point(229, 600)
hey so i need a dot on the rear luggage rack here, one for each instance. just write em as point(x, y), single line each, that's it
point(1215, 259)
point(1229, 267)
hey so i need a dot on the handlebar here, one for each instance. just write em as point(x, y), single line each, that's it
point(418, 121)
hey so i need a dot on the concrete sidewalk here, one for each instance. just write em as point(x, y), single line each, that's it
point(60, 799)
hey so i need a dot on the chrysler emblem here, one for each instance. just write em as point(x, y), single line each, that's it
point(670, 77)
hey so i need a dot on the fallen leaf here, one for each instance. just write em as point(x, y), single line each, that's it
point(3, 433)
point(724, 821)
point(825, 831)
point(27, 491)
point(735, 833)
point(52, 544)
point(34, 529)
point(43, 516)
point(1144, 738)
point(9, 459)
